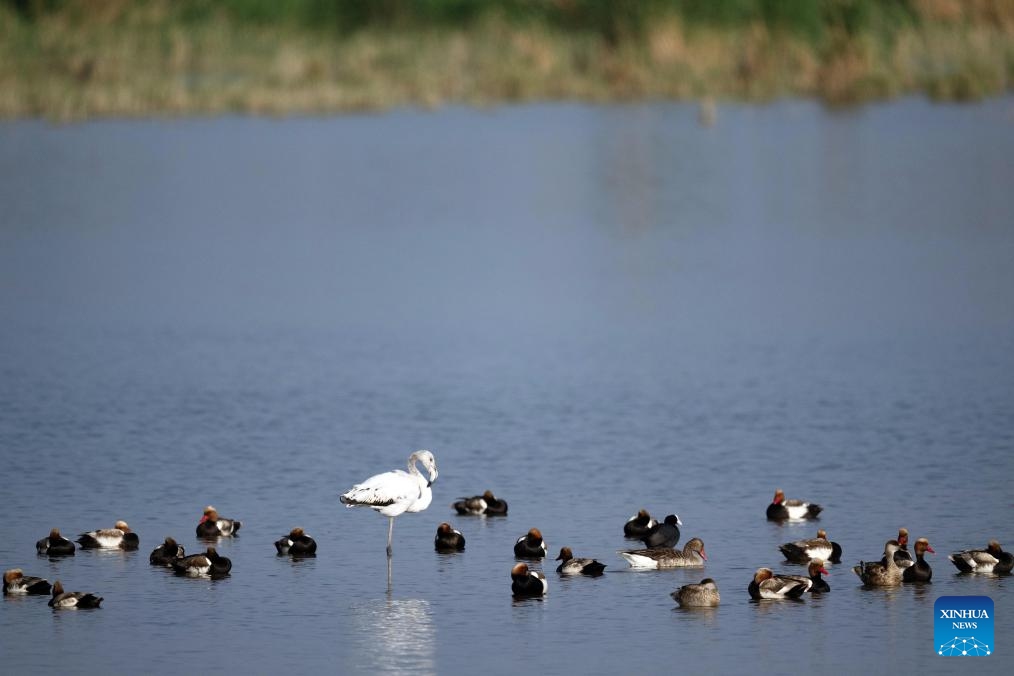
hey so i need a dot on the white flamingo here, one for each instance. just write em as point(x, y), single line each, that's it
point(395, 492)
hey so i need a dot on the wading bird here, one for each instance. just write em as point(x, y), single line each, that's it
point(395, 492)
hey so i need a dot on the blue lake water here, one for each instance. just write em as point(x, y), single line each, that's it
point(586, 309)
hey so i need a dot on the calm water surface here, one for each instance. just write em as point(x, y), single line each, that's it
point(586, 309)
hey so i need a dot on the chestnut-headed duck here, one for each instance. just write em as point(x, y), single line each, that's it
point(55, 544)
point(781, 509)
point(572, 566)
point(525, 582)
point(212, 525)
point(118, 537)
point(62, 599)
point(531, 545)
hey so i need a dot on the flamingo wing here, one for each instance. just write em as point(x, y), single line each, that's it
point(390, 493)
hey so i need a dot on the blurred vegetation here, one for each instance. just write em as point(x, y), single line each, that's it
point(75, 58)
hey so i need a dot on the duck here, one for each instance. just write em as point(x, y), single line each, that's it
point(166, 553)
point(883, 573)
point(902, 557)
point(531, 545)
point(665, 534)
point(781, 509)
point(572, 566)
point(209, 564)
point(767, 585)
point(55, 544)
point(118, 537)
point(920, 571)
point(296, 543)
point(448, 539)
point(815, 570)
point(478, 505)
point(16, 582)
point(525, 582)
point(692, 556)
point(703, 595)
point(212, 525)
point(638, 525)
point(803, 551)
point(992, 559)
point(62, 599)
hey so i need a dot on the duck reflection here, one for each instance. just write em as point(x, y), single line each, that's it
point(396, 635)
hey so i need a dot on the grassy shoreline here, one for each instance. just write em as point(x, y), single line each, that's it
point(99, 59)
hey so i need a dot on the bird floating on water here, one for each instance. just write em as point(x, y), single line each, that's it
point(531, 545)
point(902, 557)
point(884, 573)
point(209, 564)
point(212, 525)
point(992, 559)
point(166, 553)
point(525, 582)
point(573, 566)
point(16, 582)
point(665, 534)
point(486, 504)
point(803, 551)
point(638, 525)
point(119, 537)
point(767, 585)
point(816, 570)
point(703, 595)
point(62, 599)
point(396, 492)
point(55, 544)
point(920, 571)
point(448, 539)
point(781, 509)
point(692, 556)
point(296, 543)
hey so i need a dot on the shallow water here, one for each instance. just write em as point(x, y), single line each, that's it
point(586, 309)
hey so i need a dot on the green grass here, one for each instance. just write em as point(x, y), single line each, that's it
point(75, 58)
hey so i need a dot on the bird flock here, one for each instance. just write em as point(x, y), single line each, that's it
point(169, 554)
point(397, 492)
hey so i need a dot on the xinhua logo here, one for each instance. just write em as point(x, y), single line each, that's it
point(963, 626)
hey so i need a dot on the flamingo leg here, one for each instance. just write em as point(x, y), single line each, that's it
point(390, 534)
